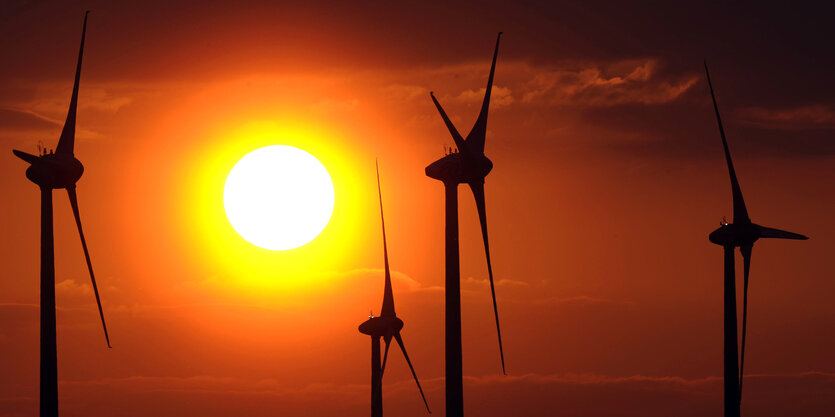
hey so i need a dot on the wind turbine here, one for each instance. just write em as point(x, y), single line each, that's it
point(468, 166)
point(53, 171)
point(386, 326)
point(742, 233)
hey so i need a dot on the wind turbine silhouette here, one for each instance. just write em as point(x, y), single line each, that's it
point(742, 233)
point(51, 171)
point(468, 166)
point(387, 326)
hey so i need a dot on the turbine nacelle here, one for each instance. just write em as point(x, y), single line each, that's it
point(52, 170)
point(458, 168)
point(735, 235)
point(381, 326)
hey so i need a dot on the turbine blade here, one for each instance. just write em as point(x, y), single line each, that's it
point(388, 295)
point(459, 141)
point(746, 259)
point(740, 212)
point(387, 338)
point(477, 136)
point(478, 193)
point(74, 203)
point(768, 232)
point(28, 157)
point(67, 140)
point(412, 368)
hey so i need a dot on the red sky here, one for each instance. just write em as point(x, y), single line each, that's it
point(608, 177)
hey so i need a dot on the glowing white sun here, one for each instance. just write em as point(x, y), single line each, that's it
point(278, 197)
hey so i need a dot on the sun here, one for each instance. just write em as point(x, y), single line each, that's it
point(278, 197)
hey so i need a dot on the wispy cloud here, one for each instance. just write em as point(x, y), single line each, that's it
point(70, 287)
point(533, 394)
point(499, 97)
point(798, 118)
point(21, 120)
point(229, 385)
point(579, 300)
point(225, 385)
point(405, 92)
point(48, 98)
point(591, 379)
point(378, 273)
point(483, 282)
point(606, 85)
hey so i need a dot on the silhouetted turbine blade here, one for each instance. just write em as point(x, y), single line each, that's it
point(740, 213)
point(387, 339)
point(746, 260)
point(768, 232)
point(28, 157)
point(74, 203)
point(412, 368)
point(478, 193)
point(459, 141)
point(67, 140)
point(388, 295)
point(475, 140)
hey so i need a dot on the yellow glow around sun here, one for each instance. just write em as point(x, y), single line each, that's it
point(222, 259)
point(278, 197)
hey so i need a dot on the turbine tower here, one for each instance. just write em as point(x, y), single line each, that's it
point(54, 170)
point(742, 233)
point(468, 165)
point(386, 326)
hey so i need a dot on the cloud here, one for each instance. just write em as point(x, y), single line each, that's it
point(69, 287)
point(23, 306)
point(222, 385)
point(530, 394)
point(598, 84)
point(30, 310)
point(499, 97)
point(54, 98)
point(606, 85)
point(799, 118)
point(593, 379)
point(579, 300)
point(500, 282)
point(411, 284)
point(405, 92)
point(36, 111)
point(24, 120)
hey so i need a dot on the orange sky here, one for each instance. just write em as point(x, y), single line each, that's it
point(608, 177)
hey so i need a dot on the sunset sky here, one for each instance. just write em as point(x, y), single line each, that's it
point(608, 176)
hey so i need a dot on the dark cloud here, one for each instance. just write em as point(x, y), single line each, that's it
point(809, 117)
point(597, 61)
point(687, 128)
point(635, 82)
